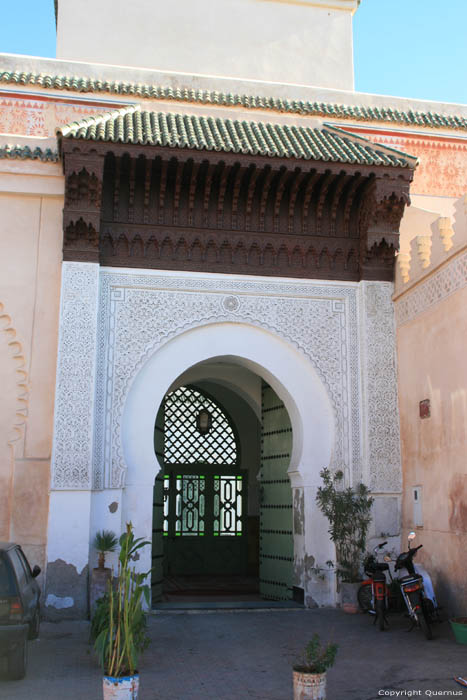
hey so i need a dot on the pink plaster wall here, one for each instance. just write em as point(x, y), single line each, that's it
point(30, 265)
point(432, 365)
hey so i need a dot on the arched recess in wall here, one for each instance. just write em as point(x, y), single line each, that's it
point(291, 375)
point(286, 369)
point(20, 381)
point(13, 413)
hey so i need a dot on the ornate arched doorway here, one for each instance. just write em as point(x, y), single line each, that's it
point(222, 522)
point(294, 381)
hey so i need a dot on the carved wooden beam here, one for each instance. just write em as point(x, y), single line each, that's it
point(389, 199)
point(147, 188)
point(325, 185)
point(192, 191)
point(276, 216)
point(293, 198)
point(336, 198)
point(207, 193)
point(307, 199)
point(180, 166)
point(162, 189)
point(221, 197)
point(82, 210)
point(264, 198)
point(250, 194)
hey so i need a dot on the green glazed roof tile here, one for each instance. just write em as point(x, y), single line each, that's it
point(328, 143)
point(26, 153)
point(319, 109)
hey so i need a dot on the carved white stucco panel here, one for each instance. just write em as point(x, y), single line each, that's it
point(139, 312)
point(380, 406)
point(74, 397)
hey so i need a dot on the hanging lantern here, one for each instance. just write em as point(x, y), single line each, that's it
point(204, 421)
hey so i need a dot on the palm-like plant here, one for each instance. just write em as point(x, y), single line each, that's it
point(122, 636)
point(104, 541)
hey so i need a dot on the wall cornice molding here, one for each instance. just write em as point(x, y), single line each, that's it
point(430, 291)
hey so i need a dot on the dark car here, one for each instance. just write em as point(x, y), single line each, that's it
point(19, 607)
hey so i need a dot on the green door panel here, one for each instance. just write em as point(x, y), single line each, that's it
point(205, 526)
point(157, 540)
point(276, 509)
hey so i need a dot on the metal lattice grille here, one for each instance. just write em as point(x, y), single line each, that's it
point(183, 443)
point(228, 505)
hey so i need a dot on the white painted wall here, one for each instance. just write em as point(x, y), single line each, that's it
point(307, 42)
point(152, 329)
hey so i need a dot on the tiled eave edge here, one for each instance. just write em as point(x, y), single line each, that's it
point(18, 152)
point(130, 125)
point(303, 107)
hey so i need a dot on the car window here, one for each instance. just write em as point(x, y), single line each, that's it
point(18, 567)
point(7, 581)
point(25, 563)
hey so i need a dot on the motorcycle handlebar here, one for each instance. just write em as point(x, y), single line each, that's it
point(413, 551)
point(379, 546)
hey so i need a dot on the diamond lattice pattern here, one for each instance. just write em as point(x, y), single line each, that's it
point(183, 443)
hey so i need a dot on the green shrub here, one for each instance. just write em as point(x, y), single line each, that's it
point(349, 514)
point(317, 658)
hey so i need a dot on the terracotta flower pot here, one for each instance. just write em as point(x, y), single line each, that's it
point(309, 686)
point(124, 688)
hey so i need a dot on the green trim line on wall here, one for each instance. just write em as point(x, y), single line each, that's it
point(318, 109)
point(26, 153)
point(328, 143)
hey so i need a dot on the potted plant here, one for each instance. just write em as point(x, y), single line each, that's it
point(459, 628)
point(104, 541)
point(309, 674)
point(349, 514)
point(120, 628)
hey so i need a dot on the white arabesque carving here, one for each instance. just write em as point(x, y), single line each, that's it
point(75, 386)
point(381, 413)
point(113, 321)
point(140, 312)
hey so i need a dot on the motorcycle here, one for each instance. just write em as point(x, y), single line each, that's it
point(417, 590)
point(373, 594)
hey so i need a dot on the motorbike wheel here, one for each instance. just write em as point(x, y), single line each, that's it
point(379, 607)
point(364, 598)
point(425, 625)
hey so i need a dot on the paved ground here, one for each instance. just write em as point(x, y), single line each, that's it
point(232, 656)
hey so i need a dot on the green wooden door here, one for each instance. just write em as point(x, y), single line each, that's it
point(204, 521)
point(276, 506)
point(158, 513)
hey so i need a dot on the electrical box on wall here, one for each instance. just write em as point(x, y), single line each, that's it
point(418, 506)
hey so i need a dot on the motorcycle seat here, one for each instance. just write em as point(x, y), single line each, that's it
point(409, 578)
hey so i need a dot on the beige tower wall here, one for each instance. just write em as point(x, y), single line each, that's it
point(431, 303)
point(307, 42)
point(30, 259)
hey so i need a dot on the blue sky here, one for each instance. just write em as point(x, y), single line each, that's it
point(409, 48)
